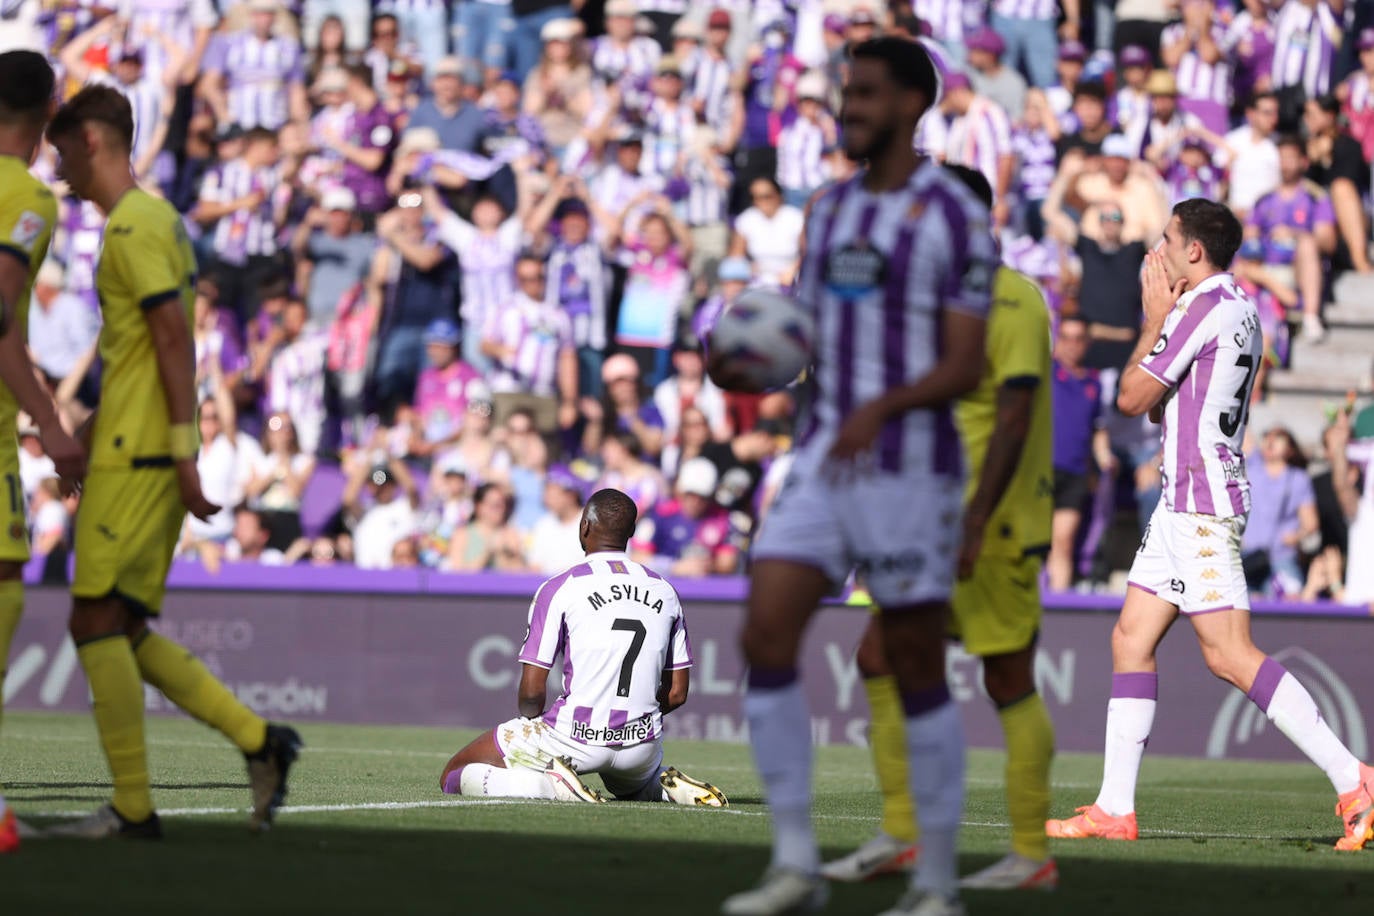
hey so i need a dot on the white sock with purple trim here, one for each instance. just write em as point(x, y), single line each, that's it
point(1130, 716)
point(1286, 702)
point(483, 779)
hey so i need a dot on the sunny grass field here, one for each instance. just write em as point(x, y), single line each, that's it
point(373, 835)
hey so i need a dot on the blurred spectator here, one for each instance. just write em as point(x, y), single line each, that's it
point(1252, 155)
point(530, 343)
point(482, 31)
point(254, 78)
point(1130, 105)
point(50, 518)
point(670, 123)
point(1283, 514)
point(34, 465)
point(332, 253)
point(1274, 296)
point(713, 75)
point(474, 451)
point(525, 463)
point(330, 48)
point(1109, 292)
point(350, 340)
point(980, 138)
point(446, 387)
point(1091, 125)
point(295, 377)
point(250, 540)
point(414, 276)
point(278, 480)
point(220, 480)
point(693, 435)
point(1111, 180)
point(1157, 136)
point(450, 507)
point(802, 145)
point(1250, 42)
point(62, 333)
point(624, 410)
point(1337, 495)
point(405, 553)
point(1194, 50)
point(1359, 574)
point(624, 468)
point(1336, 162)
point(1068, 68)
point(656, 285)
point(558, 91)
point(1356, 94)
point(1077, 437)
point(555, 539)
point(624, 60)
point(687, 387)
point(488, 540)
point(689, 536)
point(459, 124)
point(769, 234)
point(365, 141)
point(1033, 140)
point(991, 77)
point(1307, 36)
point(379, 504)
point(528, 37)
point(387, 53)
point(1029, 31)
point(739, 466)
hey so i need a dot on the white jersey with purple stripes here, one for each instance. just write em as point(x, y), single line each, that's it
point(1207, 353)
point(618, 627)
point(880, 269)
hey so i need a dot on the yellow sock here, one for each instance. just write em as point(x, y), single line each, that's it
point(117, 693)
point(189, 684)
point(1030, 748)
point(887, 737)
point(11, 609)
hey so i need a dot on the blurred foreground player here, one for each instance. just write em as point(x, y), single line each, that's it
point(1005, 425)
point(898, 271)
point(620, 627)
point(28, 213)
point(142, 481)
point(1195, 365)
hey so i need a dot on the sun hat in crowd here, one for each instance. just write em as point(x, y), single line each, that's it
point(559, 30)
point(1366, 39)
point(686, 29)
point(1117, 146)
point(262, 6)
point(955, 80)
point(719, 19)
point(331, 79)
point(621, 8)
point(668, 65)
point(449, 66)
point(418, 140)
point(985, 39)
point(734, 269)
point(339, 199)
point(812, 85)
point(1073, 50)
point(1161, 82)
point(1135, 56)
point(619, 367)
point(698, 476)
point(443, 331)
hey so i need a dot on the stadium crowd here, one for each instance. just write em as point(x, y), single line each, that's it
point(458, 258)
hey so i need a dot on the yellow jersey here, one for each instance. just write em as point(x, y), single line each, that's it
point(28, 213)
point(145, 261)
point(1018, 353)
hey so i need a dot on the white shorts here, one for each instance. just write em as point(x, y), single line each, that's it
point(624, 770)
point(1192, 561)
point(900, 532)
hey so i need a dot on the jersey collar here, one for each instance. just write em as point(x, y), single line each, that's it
point(1215, 280)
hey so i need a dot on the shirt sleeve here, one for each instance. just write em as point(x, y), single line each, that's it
point(26, 225)
point(971, 261)
point(1303, 494)
point(543, 635)
point(1019, 338)
point(215, 54)
point(1178, 345)
point(144, 257)
point(455, 232)
point(680, 647)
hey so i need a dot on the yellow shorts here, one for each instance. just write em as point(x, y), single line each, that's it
point(126, 533)
point(14, 528)
point(997, 610)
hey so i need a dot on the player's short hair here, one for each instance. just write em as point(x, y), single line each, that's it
point(908, 63)
point(26, 86)
point(1292, 140)
point(1213, 225)
point(976, 181)
point(613, 514)
point(101, 105)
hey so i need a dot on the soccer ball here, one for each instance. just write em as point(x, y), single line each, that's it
point(761, 342)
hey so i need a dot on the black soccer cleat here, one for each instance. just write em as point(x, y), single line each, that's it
point(267, 770)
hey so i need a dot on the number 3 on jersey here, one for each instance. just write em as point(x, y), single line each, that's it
point(1231, 423)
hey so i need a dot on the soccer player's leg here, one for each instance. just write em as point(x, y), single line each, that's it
point(14, 552)
point(893, 850)
point(521, 758)
point(1144, 620)
point(800, 556)
point(1221, 620)
point(997, 614)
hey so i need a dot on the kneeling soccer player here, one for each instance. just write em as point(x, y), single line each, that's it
point(626, 654)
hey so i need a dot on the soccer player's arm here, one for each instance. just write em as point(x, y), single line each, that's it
point(1160, 359)
point(1019, 361)
point(677, 670)
point(539, 650)
point(146, 258)
point(24, 236)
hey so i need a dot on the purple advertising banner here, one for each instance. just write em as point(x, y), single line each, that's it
point(359, 652)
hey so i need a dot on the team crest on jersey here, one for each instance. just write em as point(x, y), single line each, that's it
point(27, 229)
point(854, 270)
point(380, 136)
point(17, 532)
point(1160, 345)
point(978, 276)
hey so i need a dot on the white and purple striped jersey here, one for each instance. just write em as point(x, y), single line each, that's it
point(1359, 93)
point(1026, 9)
point(801, 156)
point(257, 75)
point(945, 18)
point(711, 84)
point(243, 232)
point(148, 99)
point(1207, 353)
point(618, 626)
point(668, 132)
point(707, 197)
point(879, 272)
point(979, 138)
point(177, 19)
point(487, 262)
point(1305, 51)
point(1196, 78)
point(578, 285)
point(631, 66)
point(538, 333)
point(295, 386)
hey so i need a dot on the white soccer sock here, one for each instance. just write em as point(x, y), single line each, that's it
point(780, 734)
point(503, 782)
point(1130, 716)
point(1286, 702)
point(935, 748)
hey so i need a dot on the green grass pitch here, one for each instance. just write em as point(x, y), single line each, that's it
point(374, 835)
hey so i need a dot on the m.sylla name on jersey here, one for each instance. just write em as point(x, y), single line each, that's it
point(635, 593)
point(638, 730)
